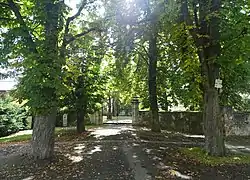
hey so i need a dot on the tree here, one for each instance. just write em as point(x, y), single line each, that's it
point(84, 80)
point(219, 35)
point(137, 23)
point(34, 32)
point(207, 39)
point(152, 74)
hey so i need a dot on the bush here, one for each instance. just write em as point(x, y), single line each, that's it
point(13, 117)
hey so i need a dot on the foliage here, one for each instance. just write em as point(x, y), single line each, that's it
point(84, 80)
point(13, 117)
point(30, 43)
point(36, 38)
point(234, 60)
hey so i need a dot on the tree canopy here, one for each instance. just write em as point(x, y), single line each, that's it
point(165, 52)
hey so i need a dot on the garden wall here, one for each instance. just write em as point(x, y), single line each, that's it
point(236, 123)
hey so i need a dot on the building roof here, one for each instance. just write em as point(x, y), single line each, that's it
point(7, 84)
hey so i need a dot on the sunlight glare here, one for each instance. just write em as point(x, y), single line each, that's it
point(74, 159)
point(97, 149)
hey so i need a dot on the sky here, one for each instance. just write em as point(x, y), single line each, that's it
point(72, 4)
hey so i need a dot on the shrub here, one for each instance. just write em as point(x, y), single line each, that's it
point(13, 116)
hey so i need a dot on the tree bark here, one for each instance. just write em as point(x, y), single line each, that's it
point(113, 106)
point(109, 115)
point(152, 73)
point(214, 131)
point(80, 121)
point(43, 136)
point(206, 36)
point(44, 125)
point(213, 121)
point(213, 124)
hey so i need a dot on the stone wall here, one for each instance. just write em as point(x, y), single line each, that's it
point(186, 122)
point(236, 123)
point(95, 118)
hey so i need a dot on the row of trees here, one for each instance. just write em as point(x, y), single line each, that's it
point(177, 57)
point(166, 52)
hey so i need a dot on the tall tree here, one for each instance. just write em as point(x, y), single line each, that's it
point(138, 23)
point(207, 39)
point(152, 74)
point(36, 38)
point(84, 80)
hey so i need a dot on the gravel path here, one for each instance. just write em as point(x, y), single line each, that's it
point(113, 152)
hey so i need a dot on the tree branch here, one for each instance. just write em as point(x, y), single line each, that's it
point(4, 4)
point(27, 36)
point(68, 21)
point(80, 35)
point(7, 19)
point(143, 57)
point(145, 50)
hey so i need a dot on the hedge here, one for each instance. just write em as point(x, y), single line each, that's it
point(13, 116)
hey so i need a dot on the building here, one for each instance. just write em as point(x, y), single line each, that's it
point(6, 85)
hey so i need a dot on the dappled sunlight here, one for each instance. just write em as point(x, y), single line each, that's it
point(163, 148)
point(162, 166)
point(134, 134)
point(29, 178)
point(179, 175)
point(109, 131)
point(135, 144)
point(193, 136)
point(148, 151)
point(238, 149)
point(157, 158)
point(79, 148)
point(184, 134)
point(96, 149)
point(98, 133)
point(74, 159)
point(170, 170)
point(135, 156)
point(145, 129)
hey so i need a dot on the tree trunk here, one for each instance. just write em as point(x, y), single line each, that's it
point(152, 71)
point(206, 35)
point(44, 125)
point(109, 115)
point(213, 124)
point(80, 121)
point(213, 121)
point(113, 107)
point(43, 136)
point(212, 117)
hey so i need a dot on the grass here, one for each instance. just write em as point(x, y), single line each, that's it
point(198, 154)
point(60, 132)
point(19, 138)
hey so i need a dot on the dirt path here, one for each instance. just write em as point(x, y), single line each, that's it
point(114, 152)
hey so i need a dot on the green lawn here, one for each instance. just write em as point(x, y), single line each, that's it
point(19, 138)
point(59, 132)
point(202, 157)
